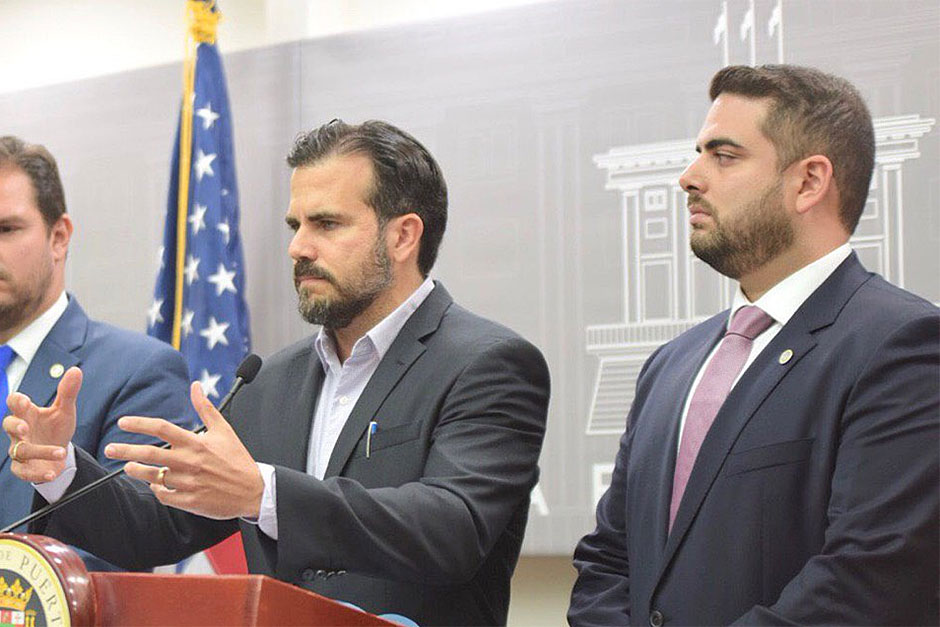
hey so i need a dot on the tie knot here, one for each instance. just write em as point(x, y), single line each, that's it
point(6, 356)
point(749, 322)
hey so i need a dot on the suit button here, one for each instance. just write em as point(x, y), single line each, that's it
point(321, 573)
point(341, 572)
point(307, 574)
point(656, 619)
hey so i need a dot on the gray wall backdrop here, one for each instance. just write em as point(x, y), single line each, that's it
point(561, 129)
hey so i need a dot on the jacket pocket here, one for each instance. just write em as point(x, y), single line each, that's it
point(769, 456)
point(386, 438)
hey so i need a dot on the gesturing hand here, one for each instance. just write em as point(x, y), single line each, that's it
point(210, 474)
point(39, 435)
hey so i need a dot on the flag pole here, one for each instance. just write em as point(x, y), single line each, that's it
point(202, 23)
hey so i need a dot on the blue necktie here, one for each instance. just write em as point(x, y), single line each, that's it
point(6, 356)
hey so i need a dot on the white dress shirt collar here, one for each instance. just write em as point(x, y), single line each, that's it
point(379, 337)
point(783, 299)
point(26, 343)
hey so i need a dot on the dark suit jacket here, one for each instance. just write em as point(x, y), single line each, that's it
point(428, 526)
point(814, 497)
point(125, 373)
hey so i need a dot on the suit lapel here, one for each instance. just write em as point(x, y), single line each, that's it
point(403, 352)
point(667, 431)
point(288, 445)
point(757, 383)
point(65, 337)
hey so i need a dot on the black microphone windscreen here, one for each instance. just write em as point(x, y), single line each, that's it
point(248, 369)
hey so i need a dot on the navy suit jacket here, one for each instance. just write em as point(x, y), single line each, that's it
point(125, 373)
point(424, 519)
point(814, 497)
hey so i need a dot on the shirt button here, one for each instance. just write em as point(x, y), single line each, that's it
point(343, 400)
point(656, 619)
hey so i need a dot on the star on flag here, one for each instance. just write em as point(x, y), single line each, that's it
point(186, 324)
point(198, 219)
point(203, 165)
point(223, 280)
point(153, 314)
point(209, 383)
point(224, 229)
point(215, 333)
point(191, 271)
point(208, 116)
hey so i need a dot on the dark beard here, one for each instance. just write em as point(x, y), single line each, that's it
point(762, 233)
point(27, 303)
point(351, 300)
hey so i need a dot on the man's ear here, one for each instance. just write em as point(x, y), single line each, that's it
point(814, 182)
point(60, 234)
point(403, 237)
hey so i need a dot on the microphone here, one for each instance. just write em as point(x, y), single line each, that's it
point(246, 373)
point(247, 370)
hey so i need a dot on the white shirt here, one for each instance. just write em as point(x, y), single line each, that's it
point(780, 302)
point(343, 383)
point(26, 343)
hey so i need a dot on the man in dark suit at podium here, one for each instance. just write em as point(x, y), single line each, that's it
point(388, 460)
point(780, 460)
point(44, 331)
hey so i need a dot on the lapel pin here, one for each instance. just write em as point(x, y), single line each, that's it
point(56, 370)
point(785, 356)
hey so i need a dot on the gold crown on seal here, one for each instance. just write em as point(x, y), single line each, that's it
point(14, 597)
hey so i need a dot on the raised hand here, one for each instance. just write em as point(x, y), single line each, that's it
point(39, 435)
point(210, 474)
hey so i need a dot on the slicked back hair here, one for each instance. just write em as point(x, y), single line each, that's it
point(40, 166)
point(406, 179)
point(812, 112)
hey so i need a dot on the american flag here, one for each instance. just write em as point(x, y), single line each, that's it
point(210, 319)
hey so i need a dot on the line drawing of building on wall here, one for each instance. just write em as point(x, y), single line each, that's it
point(666, 289)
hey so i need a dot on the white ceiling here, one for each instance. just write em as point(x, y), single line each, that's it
point(53, 41)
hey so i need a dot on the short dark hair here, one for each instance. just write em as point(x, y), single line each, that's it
point(40, 166)
point(407, 179)
point(812, 113)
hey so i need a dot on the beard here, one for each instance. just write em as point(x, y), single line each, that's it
point(760, 233)
point(352, 297)
point(26, 297)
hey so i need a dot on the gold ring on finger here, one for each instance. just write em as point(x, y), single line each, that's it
point(161, 477)
point(13, 454)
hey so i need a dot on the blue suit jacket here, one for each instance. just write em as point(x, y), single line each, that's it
point(814, 497)
point(126, 373)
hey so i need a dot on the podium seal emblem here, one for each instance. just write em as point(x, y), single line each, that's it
point(33, 570)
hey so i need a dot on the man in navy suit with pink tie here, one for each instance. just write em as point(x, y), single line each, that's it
point(780, 462)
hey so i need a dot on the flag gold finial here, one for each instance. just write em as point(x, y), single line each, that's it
point(203, 21)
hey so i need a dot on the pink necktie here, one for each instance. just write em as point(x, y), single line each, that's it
point(747, 323)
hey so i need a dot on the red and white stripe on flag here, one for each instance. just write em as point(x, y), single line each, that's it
point(228, 556)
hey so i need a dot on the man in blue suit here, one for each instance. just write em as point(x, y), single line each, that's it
point(786, 473)
point(44, 331)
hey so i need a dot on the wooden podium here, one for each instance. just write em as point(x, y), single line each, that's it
point(42, 581)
